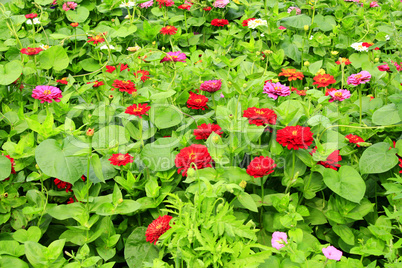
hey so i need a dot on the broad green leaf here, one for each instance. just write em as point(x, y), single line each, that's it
point(89, 65)
point(32, 234)
point(296, 21)
point(386, 115)
point(159, 155)
point(80, 14)
point(10, 72)
point(11, 247)
point(247, 201)
point(378, 158)
point(325, 23)
point(5, 167)
point(110, 136)
point(165, 116)
point(347, 183)
point(55, 57)
point(137, 250)
point(97, 167)
point(345, 233)
point(9, 261)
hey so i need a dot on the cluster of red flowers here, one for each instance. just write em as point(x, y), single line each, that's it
point(144, 75)
point(31, 50)
point(219, 22)
point(207, 8)
point(124, 86)
point(291, 74)
point(157, 228)
point(344, 61)
point(295, 137)
point(120, 159)
point(331, 161)
point(299, 92)
point(260, 116)
point(194, 154)
point(203, 131)
point(197, 102)
point(261, 166)
point(185, 6)
point(121, 66)
point(96, 83)
point(62, 81)
point(66, 185)
point(354, 139)
point(323, 80)
point(74, 24)
point(138, 109)
point(31, 16)
point(166, 3)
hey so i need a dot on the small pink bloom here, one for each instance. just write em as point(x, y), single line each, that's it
point(359, 78)
point(374, 4)
point(220, 3)
point(332, 253)
point(147, 4)
point(298, 10)
point(46, 94)
point(281, 28)
point(383, 68)
point(274, 90)
point(69, 5)
point(339, 95)
point(211, 85)
point(175, 57)
point(279, 239)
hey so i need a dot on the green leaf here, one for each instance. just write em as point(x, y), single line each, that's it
point(56, 160)
point(347, 183)
point(137, 250)
point(80, 14)
point(162, 95)
point(10, 247)
point(247, 201)
point(378, 158)
point(325, 23)
point(152, 187)
point(296, 21)
point(158, 156)
point(110, 136)
point(386, 115)
point(97, 167)
point(32, 234)
point(55, 57)
point(10, 72)
point(89, 65)
point(9, 261)
point(5, 167)
point(165, 116)
point(345, 233)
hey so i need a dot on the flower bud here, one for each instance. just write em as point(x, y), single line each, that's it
point(306, 27)
point(90, 116)
point(5, 195)
point(275, 80)
point(120, 201)
point(163, 48)
point(215, 139)
point(320, 71)
point(36, 166)
point(376, 60)
point(154, 42)
point(243, 184)
point(258, 53)
point(306, 63)
point(231, 116)
point(111, 97)
point(244, 85)
point(112, 20)
point(334, 53)
point(191, 172)
point(90, 132)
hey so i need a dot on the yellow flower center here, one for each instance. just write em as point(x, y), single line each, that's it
point(47, 92)
point(338, 94)
point(121, 157)
point(294, 133)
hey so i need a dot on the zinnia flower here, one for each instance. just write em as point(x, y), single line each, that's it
point(354, 139)
point(274, 90)
point(96, 83)
point(245, 22)
point(31, 50)
point(170, 30)
point(203, 131)
point(175, 57)
point(62, 81)
point(157, 228)
point(34, 21)
point(197, 102)
point(124, 86)
point(147, 4)
point(295, 137)
point(260, 116)
point(359, 47)
point(110, 69)
point(359, 78)
point(332, 253)
point(282, 28)
point(219, 22)
point(279, 239)
point(343, 61)
point(121, 159)
point(46, 94)
point(138, 109)
point(166, 3)
point(339, 95)
point(74, 24)
point(185, 6)
point(220, 3)
point(257, 22)
point(291, 74)
point(128, 4)
point(195, 153)
point(31, 16)
point(207, 8)
point(323, 80)
point(331, 161)
point(144, 75)
point(261, 166)
point(63, 185)
point(298, 10)
point(69, 5)
point(374, 4)
point(211, 85)
point(96, 39)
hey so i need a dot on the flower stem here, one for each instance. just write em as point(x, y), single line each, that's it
point(140, 130)
point(360, 106)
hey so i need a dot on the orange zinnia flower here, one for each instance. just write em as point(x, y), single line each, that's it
point(291, 74)
point(324, 80)
point(170, 30)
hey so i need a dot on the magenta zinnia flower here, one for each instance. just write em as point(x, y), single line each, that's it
point(339, 95)
point(276, 89)
point(47, 93)
point(175, 57)
point(147, 4)
point(69, 5)
point(211, 85)
point(298, 10)
point(359, 78)
point(221, 3)
point(332, 253)
point(374, 4)
point(279, 239)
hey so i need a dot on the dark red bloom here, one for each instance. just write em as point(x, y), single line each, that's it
point(323, 80)
point(197, 102)
point(195, 153)
point(260, 116)
point(157, 228)
point(96, 39)
point(203, 131)
point(219, 22)
point(62, 81)
point(63, 185)
point(261, 166)
point(138, 109)
point(96, 83)
point(400, 164)
point(144, 75)
point(354, 139)
point(31, 16)
point(31, 50)
point(124, 86)
point(12, 164)
point(245, 22)
point(123, 67)
point(207, 8)
point(332, 159)
point(185, 6)
point(121, 159)
point(168, 30)
point(377, 48)
point(295, 137)
point(110, 69)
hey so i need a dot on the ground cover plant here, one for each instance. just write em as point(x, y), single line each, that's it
point(219, 133)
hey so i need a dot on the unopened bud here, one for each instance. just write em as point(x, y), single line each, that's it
point(36, 166)
point(154, 42)
point(191, 172)
point(334, 53)
point(112, 20)
point(90, 132)
point(306, 27)
point(111, 97)
point(306, 63)
point(5, 195)
point(90, 116)
point(163, 48)
point(215, 139)
point(243, 184)
point(376, 60)
point(244, 85)
point(231, 116)
point(258, 53)
point(120, 201)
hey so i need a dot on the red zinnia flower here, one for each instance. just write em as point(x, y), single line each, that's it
point(291, 74)
point(166, 3)
point(31, 50)
point(12, 164)
point(144, 75)
point(203, 131)
point(124, 86)
point(96, 83)
point(354, 139)
point(110, 69)
point(324, 80)
point(96, 39)
point(185, 6)
point(138, 109)
point(295, 137)
point(123, 67)
point(197, 154)
point(344, 61)
point(245, 22)
point(261, 166)
point(329, 90)
point(74, 24)
point(121, 159)
point(332, 159)
point(62, 81)
point(400, 164)
point(63, 185)
point(157, 228)
point(197, 102)
point(170, 30)
point(31, 16)
point(377, 48)
point(260, 116)
point(301, 92)
point(207, 8)
point(219, 22)
point(367, 44)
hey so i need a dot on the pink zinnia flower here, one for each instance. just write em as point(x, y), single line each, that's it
point(281, 28)
point(384, 68)
point(147, 4)
point(332, 253)
point(359, 78)
point(298, 10)
point(46, 93)
point(221, 3)
point(374, 4)
point(339, 95)
point(279, 239)
point(276, 89)
point(211, 85)
point(175, 57)
point(69, 5)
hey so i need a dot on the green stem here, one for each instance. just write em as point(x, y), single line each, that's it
point(343, 73)
point(360, 106)
point(87, 181)
point(140, 130)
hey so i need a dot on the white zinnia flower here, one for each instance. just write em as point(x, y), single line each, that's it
point(255, 23)
point(107, 47)
point(44, 47)
point(128, 4)
point(35, 21)
point(387, 37)
point(311, 37)
point(359, 47)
